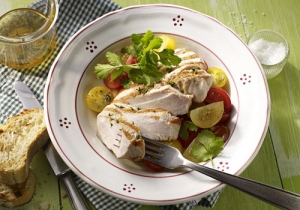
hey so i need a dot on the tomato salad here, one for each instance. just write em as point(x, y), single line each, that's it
point(209, 116)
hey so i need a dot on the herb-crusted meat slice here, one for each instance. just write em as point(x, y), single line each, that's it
point(190, 77)
point(190, 57)
point(121, 137)
point(190, 80)
point(160, 96)
point(153, 123)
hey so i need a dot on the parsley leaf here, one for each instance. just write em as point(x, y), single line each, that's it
point(185, 127)
point(146, 70)
point(103, 70)
point(113, 59)
point(168, 58)
point(116, 73)
point(205, 147)
point(145, 40)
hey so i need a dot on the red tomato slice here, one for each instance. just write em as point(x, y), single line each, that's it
point(221, 131)
point(116, 83)
point(225, 116)
point(192, 136)
point(131, 60)
point(153, 166)
point(218, 94)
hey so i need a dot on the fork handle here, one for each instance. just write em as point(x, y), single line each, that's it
point(272, 195)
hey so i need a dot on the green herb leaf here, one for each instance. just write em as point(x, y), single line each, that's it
point(209, 146)
point(131, 50)
point(146, 70)
point(126, 83)
point(103, 70)
point(145, 40)
point(113, 59)
point(136, 38)
point(116, 73)
point(154, 44)
point(168, 58)
point(185, 127)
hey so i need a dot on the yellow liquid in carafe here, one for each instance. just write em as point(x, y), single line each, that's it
point(21, 23)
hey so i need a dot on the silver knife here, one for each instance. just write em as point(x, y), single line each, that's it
point(61, 170)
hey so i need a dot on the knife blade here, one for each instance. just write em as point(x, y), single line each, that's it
point(60, 168)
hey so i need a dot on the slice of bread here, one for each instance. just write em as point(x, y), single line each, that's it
point(19, 194)
point(20, 139)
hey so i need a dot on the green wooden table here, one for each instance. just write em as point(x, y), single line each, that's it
point(277, 162)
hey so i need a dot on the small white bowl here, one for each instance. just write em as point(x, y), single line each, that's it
point(271, 49)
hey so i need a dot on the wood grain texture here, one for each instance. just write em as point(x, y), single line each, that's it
point(277, 162)
point(281, 16)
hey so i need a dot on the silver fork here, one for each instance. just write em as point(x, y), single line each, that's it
point(170, 157)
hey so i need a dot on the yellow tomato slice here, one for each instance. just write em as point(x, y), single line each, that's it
point(174, 143)
point(219, 77)
point(168, 43)
point(207, 116)
point(98, 97)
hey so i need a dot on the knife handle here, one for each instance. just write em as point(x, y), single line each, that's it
point(77, 200)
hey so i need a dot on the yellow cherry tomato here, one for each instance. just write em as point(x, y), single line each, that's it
point(168, 43)
point(219, 77)
point(174, 143)
point(99, 97)
point(207, 116)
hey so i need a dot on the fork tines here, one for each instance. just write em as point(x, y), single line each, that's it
point(154, 149)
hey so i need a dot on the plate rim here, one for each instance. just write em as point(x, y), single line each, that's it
point(73, 37)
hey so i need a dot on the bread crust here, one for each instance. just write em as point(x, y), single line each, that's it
point(16, 195)
point(20, 138)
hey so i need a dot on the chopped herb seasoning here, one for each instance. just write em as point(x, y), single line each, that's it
point(119, 106)
point(173, 84)
point(108, 97)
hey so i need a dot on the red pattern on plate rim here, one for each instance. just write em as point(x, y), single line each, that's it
point(223, 166)
point(178, 20)
point(64, 123)
point(91, 46)
point(246, 79)
point(128, 187)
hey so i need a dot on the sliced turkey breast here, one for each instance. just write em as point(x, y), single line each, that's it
point(154, 123)
point(121, 137)
point(190, 80)
point(190, 77)
point(160, 96)
point(190, 57)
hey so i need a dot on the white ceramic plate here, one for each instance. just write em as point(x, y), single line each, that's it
point(71, 124)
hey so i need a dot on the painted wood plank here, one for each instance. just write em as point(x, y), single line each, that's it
point(283, 16)
point(245, 17)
